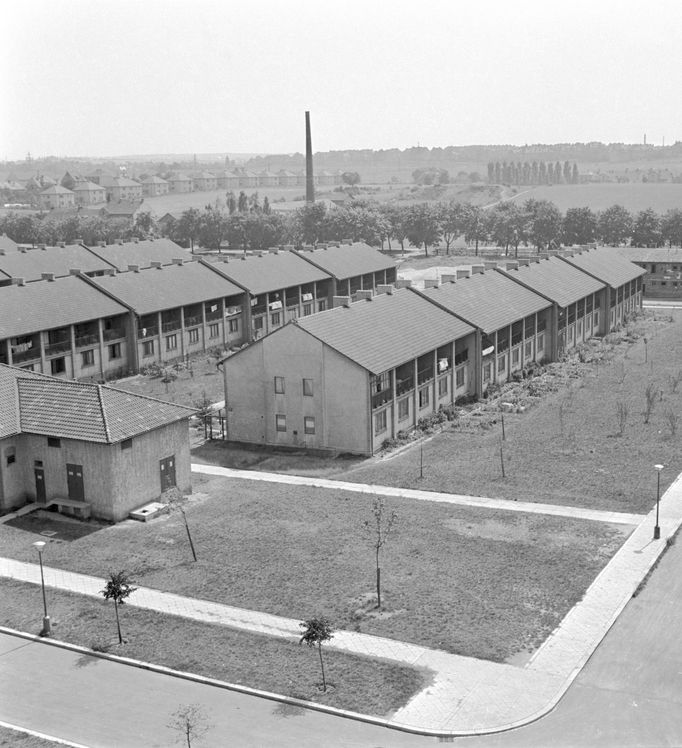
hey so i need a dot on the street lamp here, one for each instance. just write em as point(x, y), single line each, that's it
point(657, 529)
point(39, 545)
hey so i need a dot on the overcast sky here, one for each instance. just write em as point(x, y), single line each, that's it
point(81, 77)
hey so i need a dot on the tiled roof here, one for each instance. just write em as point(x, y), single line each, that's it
point(46, 305)
point(348, 260)
point(168, 287)
point(385, 331)
point(606, 265)
point(56, 189)
point(120, 209)
point(180, 178)
point(646, 254)
point(58, 260)
point(123, 182)
point(154, 180)
point(88, 187)
point(488, 300)
point(555, 279)
point(270, 272)
point(76, 410)
point(6, 244)
point(140, 253)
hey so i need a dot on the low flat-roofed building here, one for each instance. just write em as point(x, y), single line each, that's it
point(515, 322)
point(66, 328)
point(351, 377)
point(663, 270)
point(86, 448)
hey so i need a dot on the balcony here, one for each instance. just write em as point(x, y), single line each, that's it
point(194, 321)
point(31, 354)
point(381, 398)
point(148, 332)
point(86, 340)
point(171, 326)
point(63, 346)
point(424, 376)
point(114, 333)
point(214, 316)
point(404, 385)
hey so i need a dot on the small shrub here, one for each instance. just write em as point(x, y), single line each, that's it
point(672, 419)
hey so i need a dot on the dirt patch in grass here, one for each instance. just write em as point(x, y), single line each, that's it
point(475, 582)
point(567, 447)
point(359, 684)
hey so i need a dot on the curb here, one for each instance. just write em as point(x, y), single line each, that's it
point(42, 735)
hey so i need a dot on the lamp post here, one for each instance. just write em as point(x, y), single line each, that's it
point(39, 545)
point(657, 529)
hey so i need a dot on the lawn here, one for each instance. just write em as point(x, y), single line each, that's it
point(359, 684)
point(17, 739)
point(481, 583)
point(567, 449)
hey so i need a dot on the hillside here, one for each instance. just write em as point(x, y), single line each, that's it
point(633, 196)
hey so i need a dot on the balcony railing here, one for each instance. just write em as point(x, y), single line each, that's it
point(425, 375)
point(31, 354)
point(148, 332)
point(404, 385)
point(83, 340)
point(381, 398)
point(210, 316)
point(63, 346)
point(113, 334)
point(194, 321)
point(170, 326)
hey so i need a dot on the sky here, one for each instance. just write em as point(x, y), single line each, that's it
point(88, 78)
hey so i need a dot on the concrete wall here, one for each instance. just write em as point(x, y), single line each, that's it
point(12, 493)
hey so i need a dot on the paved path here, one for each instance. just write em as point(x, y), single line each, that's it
point(556, 510)
point(466, 696)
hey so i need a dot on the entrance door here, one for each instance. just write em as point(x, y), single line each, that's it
point(40, 485)
point(74, 477)
point(167, 471)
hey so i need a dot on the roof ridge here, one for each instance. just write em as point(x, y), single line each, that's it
point(103, 410)
point(145, 397)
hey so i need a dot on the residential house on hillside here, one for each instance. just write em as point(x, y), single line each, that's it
point(514, 321)
point(579, 300)
point(247, 178)
point(64, 327)
point(56, 197)
point(351, 377)
point(87, 449)
point(50, 262)
point(227, 180)
point(153, 186)
point(99, 176)
point(204, 181)
point(180, 183)
point(122, 189)
point(89, 193)
point(178, 309)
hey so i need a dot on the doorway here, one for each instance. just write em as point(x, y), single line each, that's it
point(74, 478)
point(167, 471)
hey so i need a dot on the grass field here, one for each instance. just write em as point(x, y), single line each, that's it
point(359, 684)
point(567, 449)
point(482, 583)
point(634, 196)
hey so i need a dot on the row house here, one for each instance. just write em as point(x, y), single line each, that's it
point(89, 193)
point(268, 179)
point(56, 197)
point(514, 321)
point(286, 178)
point(153, 186)
point(227, 180)
point(66, 328)
point(352, 377)
point(178, 309)
point(122, 189)
point(204, 181)
point(180, 183)
point(579, 300)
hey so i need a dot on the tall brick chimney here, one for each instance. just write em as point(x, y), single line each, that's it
point(309, 182)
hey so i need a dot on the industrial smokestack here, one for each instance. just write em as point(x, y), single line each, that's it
point(309, 183)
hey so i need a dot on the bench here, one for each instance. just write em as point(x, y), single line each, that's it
point(80, 509)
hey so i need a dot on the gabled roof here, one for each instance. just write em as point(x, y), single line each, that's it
point(387, 330)
point(167, 287)
point(7, 244)
point(122, 182)
point(31, 264)
point(606, 265)
point(203, 175)
point(88, 187)
point(38, 404)
point(56, 189)
point(141, 253)
point(120, 209)
point(557, 280)
point(153, 179)
point(270, 272)
point(179, 178)
point(348, 260)
point(488, 300)
point(46, 305)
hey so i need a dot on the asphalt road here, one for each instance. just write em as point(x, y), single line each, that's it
point(629, 695)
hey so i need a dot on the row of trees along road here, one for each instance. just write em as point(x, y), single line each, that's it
point(253, 226)
point(532, 172)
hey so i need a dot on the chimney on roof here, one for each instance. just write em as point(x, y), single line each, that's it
point(544, 255)
point(77, 241)
point(463, 274)
point(512, 265)
point(523, 261)
point(136, 240)
point(134, 268)
point(42, 246)
point(273, 250)
point(155, 264)
point(74, 271)
point(431, 283)
point(47, 276)
point(448, 278)
point(346, 241)
point(62, 244)
point(403, 283)
point(18, 281)
point(177, 261)
point(477, 269)
point(489, 264)
point(340, 301)
point(365, 293)
point(110, 271)
point(288, 247)
point(385, 288)
point(322, 246)
point(101, 244)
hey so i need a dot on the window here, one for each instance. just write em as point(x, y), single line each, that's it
point(423, 397)
point(10, 455)
point(528, 353)
point(194, 335)
point(487, 372)
point(515, 356)
point(53, 441)
point(114, 351)
point(127, 444)
point(308, 387)
point(380, 421)
point(58, 365)
point(280, 423)
point(88, 358)
point(442, 387)
point(233, 325)
point(501, 364)
point(257, 323)
point(321, 305)
point(309, 424)
point(214, 331)
point(307, 310)
point(279, 385)
point(171, 342)
point(541, 341)
point(148, 348)
point(459, 376)
point(275, 318)
point(595, 318)
point(403, 408)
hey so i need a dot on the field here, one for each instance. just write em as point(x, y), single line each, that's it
point(634, 196)
point(178, 202)
point(483, 583)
